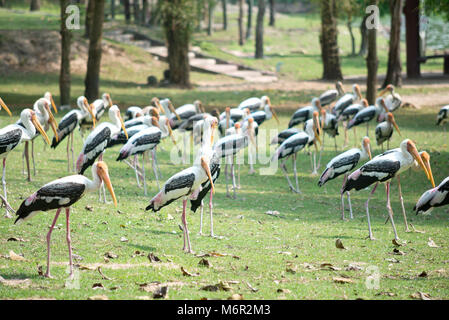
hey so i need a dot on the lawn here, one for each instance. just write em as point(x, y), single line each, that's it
point(290, 256)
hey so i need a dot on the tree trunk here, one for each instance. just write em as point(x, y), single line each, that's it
point(89, 16)
point(329, 41)
point(112, 9)
point(351, 34)
point(127, 8)
point(364, 36)
point(249, 22)
point(35, 5)
point(210, 16)
point(64, 75)
point(259, 30)
point(2, 3)
point(272, 13)
point(372, 63)
point(240, 22)
point(144, 12)
point(92, 80)
point(136, 11)
point(177, 34)
point(394, 69)
point(225, 14)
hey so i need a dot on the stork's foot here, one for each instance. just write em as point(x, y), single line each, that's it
point(9, 212)
point(190, 251)
point(371, 237)
point(48, 275)
point(416, 230)
point(408, 230)
point(295, 190)
point(314, 173)
point(216, 237)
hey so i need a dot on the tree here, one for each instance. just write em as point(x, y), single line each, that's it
point(249, 21)
point(127, 12)
point(177, 18)
point(144, 18)
point(210, 16)
point(372, 62)
point(92, 80)
point(225, 14)
point(35, 5)
point(394, 69)
point(89, 17)
point(112, 9)
point(136, 11)
point(64, 75)
point(329, 41)
point(240, 23)
point(259, 30)
point(272, 13)
point(349, 9)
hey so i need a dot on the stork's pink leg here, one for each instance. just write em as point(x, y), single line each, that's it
point(72, 149)
point(32, 157)
point(7, 214)
point(349, 204)
point(47, 274)
point(68, 155)
point(201, 218)
point(211, 206)
point(69, 240)
point(155, 166)
point(390, 211)
point(27, 159)
point(367, 211)
point(341, 197)
point(186, 230)
point(402, 205)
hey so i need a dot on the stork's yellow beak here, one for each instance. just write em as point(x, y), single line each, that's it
point(38, 126)
point(206, 168)
point(4, 106)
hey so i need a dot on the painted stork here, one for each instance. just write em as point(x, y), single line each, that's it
point(384, 131)
point(367, 114)
point(226, 121)
point(228, 146)
point(98, 140)
point(433, 198)
point(63, 193)
point(235, 114)
point(98, 106)
point(11, 136)
point(347, 100)
point(383, 168)
point(49, 97)
point(136, 126)
point(254, 103)
point(184, 112)
point(330, 96)
point(295, 143)
point(393, 101)
point(146, 119)
point(4, 106)
point(142, 143)
point(305, 113)
point(188, 182)
point(284, 135)
point(343, 164)
point(67, 125)
point(348, 114)
point(45, 117)
point(262, 115)
point(442, 116)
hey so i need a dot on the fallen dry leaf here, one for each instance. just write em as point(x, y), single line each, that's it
point(432, 244)
point(83, 267)
point(396, 243)
point(392, 260)
point(291, 269)
point(98, 285)
point(272, 213)
point(283, 291)
point(123, 239)
point(110, 255)
point(205, 263)
point(398, 252)
point(16, 283)
point(329, 266)
point(342, 280)
point(385, 293)
point(161, 292)
point(169, 217)
point(339, 244)
point(420, 295)
point(89, 208)
point(153, 258)
point(251, 287)
point(353, 267)
point(17, 239)
point(15, 257)
point(102, 275)
point(188, 274)
point(423, 274)
point(236, 296)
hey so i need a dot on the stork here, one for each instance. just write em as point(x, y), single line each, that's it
point(63, 193)
point(384, 131)
point(433, 198)
point(330, 96)
point(254, 103)
point(343, 164)
point(68, 123)
point(226, 120)
point(99, 106)
point(11, 136)
point(393, 101)
point(348, 114)
point(266, 114)
point(305, 113)
point(367, 114)
point(188, 181)
point(142, 143)
point(49, 97)
point(347, 100)
point(295, 143)
point(383, 168)
point(284, 135)
point(442, 116)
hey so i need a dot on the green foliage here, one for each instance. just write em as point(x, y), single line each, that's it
point(178, 14)
point(437, 7)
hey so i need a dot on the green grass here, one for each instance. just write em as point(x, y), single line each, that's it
point(307, 228)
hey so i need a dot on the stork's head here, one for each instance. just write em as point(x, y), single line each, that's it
point(413, 151)
point(198, 106)
point(366, 145)
point(155, 101)
point(115, 116)
point(154, 113)
point(4, 106)
point(316, 103)
point(49, 96)
point(107, 99)
point(390, 119)
point(339, 87)
point(100, 169)
point(29, 116)
point(357, 91)
point(51, 119)
point(365, 103)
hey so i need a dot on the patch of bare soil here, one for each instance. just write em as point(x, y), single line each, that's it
point(40, 51)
